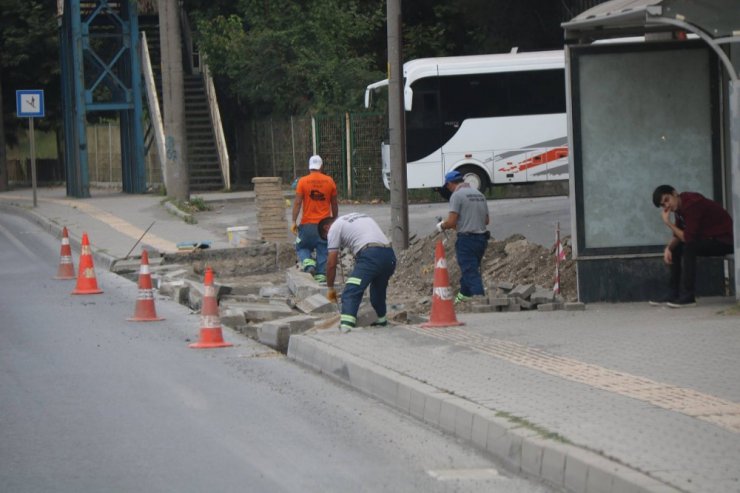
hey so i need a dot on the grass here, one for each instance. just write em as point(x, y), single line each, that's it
point(45, 142)
point(544, 433)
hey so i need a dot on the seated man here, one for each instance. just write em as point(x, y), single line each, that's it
point(702, 228)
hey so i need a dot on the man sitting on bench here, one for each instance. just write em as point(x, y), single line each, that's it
point(702, 228)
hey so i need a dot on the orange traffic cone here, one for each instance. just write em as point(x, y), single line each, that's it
point(66, 267)
point(86, 282)
point(145, 311)
point(210, 323)
point(443, 306)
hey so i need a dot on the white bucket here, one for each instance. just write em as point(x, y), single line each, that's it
point(237, 235)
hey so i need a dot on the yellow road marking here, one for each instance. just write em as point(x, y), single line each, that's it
point(111, 220)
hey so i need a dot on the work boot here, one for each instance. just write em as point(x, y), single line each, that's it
point(461, 298)
point(380, 322)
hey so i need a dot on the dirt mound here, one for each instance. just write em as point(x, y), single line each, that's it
point(513, 260)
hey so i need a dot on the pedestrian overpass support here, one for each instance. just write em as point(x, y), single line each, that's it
point(101, 73)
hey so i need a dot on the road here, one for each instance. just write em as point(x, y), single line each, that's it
point(535, 218)
point(91, 402)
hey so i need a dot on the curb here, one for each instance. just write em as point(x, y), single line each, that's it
point(521, 449)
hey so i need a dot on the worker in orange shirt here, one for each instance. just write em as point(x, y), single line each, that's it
point(315, 199)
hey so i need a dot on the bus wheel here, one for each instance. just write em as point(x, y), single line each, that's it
point(476, 177)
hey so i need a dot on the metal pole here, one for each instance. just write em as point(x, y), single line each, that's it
point(397, 130)
point(348, 140)
point(33, 160)
point(292, 144)
point(734, 113)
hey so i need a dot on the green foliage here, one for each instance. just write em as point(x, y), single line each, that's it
point(285, 57)
point(29, 58)
point(198, 204)
point(282, 57)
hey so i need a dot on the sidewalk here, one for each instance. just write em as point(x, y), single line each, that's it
point(115, 221)
point(616, 398)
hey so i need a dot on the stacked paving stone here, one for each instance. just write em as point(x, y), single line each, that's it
point(510, 297)
point(270, 208)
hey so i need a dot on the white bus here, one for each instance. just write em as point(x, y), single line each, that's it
point(495, 118)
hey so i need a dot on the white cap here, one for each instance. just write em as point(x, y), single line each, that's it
point(315, 162)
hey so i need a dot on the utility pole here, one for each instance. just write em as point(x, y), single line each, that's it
point(170, 36)
point(397, 130)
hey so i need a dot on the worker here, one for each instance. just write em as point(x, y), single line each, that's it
point(375, 263)
point(315, 198)
point(701, 228)
point(468, 215)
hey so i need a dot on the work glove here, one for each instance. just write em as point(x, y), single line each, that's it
point(439, 226)
point(294, 229)
point(331, 295)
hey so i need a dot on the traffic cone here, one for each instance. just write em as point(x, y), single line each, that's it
point(66, 268)
point(443, 306)
point(86, 282)
point(210, 323)
point(145, 311)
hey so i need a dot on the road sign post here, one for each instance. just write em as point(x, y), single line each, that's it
point(30, 104)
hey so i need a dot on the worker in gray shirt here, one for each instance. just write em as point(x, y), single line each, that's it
point(375, 263)
point(469, 216)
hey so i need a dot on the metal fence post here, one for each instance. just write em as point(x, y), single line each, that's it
point(348, 153)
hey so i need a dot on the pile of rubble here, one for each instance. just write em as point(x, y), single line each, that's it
point(263, 295)
point(513, 260)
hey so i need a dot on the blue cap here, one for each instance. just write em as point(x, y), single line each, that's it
point(453, 176)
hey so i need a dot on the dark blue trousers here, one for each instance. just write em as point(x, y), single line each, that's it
point(374, 267)
point(469, 251)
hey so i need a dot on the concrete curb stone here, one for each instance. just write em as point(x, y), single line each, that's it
point(520, 448)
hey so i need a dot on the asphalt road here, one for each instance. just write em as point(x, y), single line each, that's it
point(93, 403)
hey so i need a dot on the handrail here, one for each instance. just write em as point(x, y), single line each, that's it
point(155, 116)
point(218, 130)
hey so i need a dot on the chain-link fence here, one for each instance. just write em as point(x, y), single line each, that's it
point(348, 143)
point(104, 156)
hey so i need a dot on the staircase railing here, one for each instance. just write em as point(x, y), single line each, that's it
point(218, 130)
point(155, 116)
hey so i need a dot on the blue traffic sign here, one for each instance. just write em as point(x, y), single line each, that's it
point(29, 103)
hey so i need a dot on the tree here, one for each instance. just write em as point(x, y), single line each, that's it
point(29, 59)
point(286, 57)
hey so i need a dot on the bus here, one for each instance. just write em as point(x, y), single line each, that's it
point(495, 118)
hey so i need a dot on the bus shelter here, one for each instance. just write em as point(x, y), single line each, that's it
point(653, 98)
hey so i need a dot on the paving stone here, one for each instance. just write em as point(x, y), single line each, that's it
point(503, 285)
point(231, 317)
point(549, 307)
point(522, 291)
point(514, 306)
point(542, 296)
point(574, 306)
point(262, 312)
point(275, 334)
point(316, 303)
point(281, 291)
point(499, 300)
point(482, 308)
point(251, 288)
point(302, 285)
point(169, 288)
